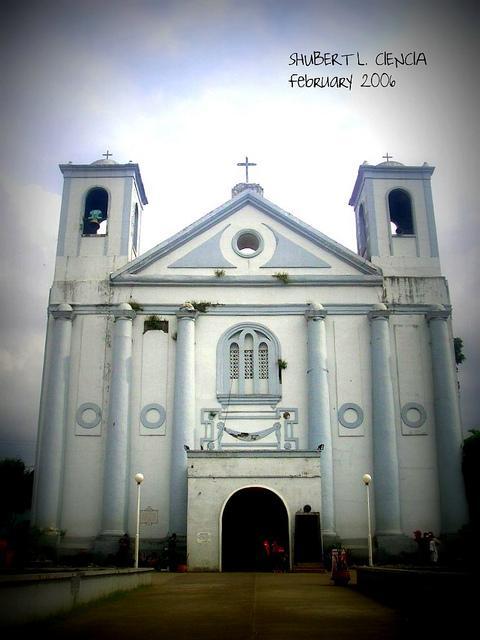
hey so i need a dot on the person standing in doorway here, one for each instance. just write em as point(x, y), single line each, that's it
point(172, 552)
point(433, 544)
point(123, 555)
point(266, 553)
point(278, 556)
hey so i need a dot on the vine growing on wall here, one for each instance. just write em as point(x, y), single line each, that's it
point(458, 346)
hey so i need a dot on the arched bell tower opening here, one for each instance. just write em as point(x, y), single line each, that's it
point(251, 516)
point(400, 211)
point(96, 212)
point(362, 236)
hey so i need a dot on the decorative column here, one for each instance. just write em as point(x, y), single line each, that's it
point(183, 417)
point(385, 460)
point(319, 427)
point(448, 426)
point(115, 468)
point(50, 469)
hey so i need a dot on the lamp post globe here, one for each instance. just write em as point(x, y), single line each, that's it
point(367, 478)
point(139, 478)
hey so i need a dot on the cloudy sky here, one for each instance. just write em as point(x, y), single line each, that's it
point(188, 88)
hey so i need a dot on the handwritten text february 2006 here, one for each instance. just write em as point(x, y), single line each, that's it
point(384, 61)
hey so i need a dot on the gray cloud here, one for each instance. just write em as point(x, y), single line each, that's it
point(27, 245)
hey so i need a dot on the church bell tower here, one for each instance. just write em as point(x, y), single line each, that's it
point(395, 219)
point(100, 219)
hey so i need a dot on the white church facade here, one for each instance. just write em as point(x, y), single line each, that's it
point(253, 370)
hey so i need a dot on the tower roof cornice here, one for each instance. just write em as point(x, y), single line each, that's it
point(130, 169)
point(388, 170)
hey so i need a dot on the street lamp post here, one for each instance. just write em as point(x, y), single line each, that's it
point(138, 479)
point(367, 478)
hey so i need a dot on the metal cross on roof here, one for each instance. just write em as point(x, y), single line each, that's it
point(387, 157)
point(246, 164)
point(107, 155)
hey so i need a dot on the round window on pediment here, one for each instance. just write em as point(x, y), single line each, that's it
point(247, 243)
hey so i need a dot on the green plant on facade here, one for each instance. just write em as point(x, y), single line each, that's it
point(219, 273)
point(282, 276)
point(135, 306)
point(458, 346)
point(202, 305)
point(154, 323)
point(282, 365)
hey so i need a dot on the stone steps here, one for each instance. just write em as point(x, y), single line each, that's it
point(309, 567)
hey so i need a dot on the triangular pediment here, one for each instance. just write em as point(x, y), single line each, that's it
point(247, 237)
point(207, 255)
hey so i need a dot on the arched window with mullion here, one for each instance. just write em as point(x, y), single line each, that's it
point(247, 358)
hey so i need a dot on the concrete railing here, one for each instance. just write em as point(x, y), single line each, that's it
point(416, 588)
point(28, 597)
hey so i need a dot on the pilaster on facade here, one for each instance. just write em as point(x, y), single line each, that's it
point(319, 427)
point(115, 472)
point(183, 434)
point(187, 312)
point(379, 311)
point(453, 509)
point(52, 431)
point(122, 312)
point(385, 458)
point(438, 312)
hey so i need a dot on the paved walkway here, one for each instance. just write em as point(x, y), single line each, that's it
point(231, 606)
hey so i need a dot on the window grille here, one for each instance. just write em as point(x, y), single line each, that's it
point(248, 354)
point(234, 361)
point(263, 361)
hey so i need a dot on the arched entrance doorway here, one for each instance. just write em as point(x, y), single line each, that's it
point(250, 516)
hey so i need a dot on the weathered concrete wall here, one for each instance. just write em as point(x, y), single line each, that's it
point(24, 598)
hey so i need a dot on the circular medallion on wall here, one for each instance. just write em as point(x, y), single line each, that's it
point(413, 415)
point(153, 415)
point(350, 415)
point(88, 415)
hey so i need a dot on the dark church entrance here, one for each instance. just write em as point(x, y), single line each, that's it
point(251, 517)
